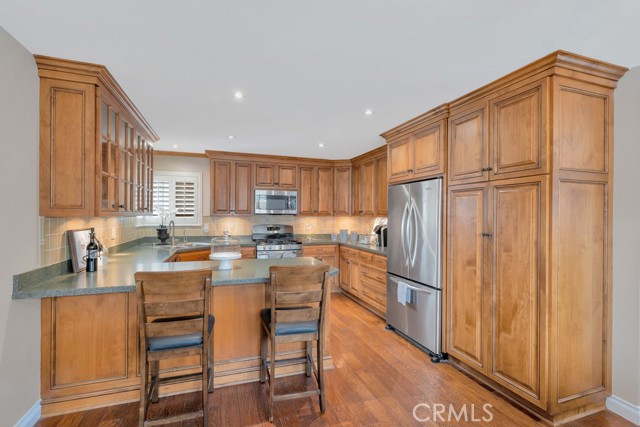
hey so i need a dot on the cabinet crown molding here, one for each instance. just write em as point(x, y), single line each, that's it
point(435, 114)
point(66, 69)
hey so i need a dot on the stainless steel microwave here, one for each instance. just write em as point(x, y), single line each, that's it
point(276, 202)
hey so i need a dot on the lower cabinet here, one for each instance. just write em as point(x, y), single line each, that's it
point(203, 254)
point(327, 254)
point(363, 275)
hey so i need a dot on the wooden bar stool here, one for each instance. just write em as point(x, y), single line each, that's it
point(174, 322)
point(296, 298)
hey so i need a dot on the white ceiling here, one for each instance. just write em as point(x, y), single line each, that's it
point(309, 68)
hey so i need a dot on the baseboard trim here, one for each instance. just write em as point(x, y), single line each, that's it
point(31, 417)
point(624, 409)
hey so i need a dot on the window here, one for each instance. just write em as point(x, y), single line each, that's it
point(178, 192)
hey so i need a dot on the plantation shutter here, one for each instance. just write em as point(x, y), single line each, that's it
point(185, 198)
point(161, 193)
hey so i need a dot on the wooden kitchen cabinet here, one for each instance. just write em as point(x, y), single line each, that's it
point(382, 188)
point(231, 191)
point(369, 185)
point(528, 235)
point(315, 195)
point(247, 252)
point(501, 136)
point(342, 190)
point(363, 275)
point(276, 175)
point(417, 150)
point(327, 254)
point(89, 165)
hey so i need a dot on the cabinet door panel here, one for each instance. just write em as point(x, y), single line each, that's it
point(306, 193)
point(582, 128)
point(67, 139)
point(357, 208)
point(287, 176)
point(519, 138)
point(381, 190)
point(368, 188)
point(324, 193)
point(582, 288)
point(466, 275)
point(428, 151)
point(342, 190)
point(519, 236)
point(221, 187)
point(265, 175)
point(243, 200)
point(400, 163)
point(468, 148)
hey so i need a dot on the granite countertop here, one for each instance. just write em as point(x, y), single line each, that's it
point(118, 274)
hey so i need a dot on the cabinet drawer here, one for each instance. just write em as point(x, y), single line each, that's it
point(373, 274)
point(365, 257)
point(319, 250)
point(374, 291)
point(248, 252)
point(379, 262)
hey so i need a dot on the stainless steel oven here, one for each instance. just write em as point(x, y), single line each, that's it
point(276, 202)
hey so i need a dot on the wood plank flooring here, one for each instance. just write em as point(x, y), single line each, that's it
point(378, 380)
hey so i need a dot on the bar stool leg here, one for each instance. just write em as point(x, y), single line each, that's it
point(321, 373)
point(210, 367)
point(143, 392)
point(155, 381)
point(263, 355)
point(272, 378)
point(309, 357)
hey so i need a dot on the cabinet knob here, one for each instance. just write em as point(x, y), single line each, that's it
point(487, 234)
point(121, 206)
point(488, 168)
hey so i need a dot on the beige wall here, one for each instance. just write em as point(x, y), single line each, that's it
point(626, 241)
point(19, 320)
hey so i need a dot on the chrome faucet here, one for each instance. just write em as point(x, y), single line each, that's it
point(172, 232)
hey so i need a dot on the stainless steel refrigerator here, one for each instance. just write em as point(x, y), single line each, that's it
point(414, 262)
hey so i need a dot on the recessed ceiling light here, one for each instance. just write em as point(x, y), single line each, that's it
point(231, 136)
point(238, 95)
point(175, 146)
point(368, 112)
point(321, 145)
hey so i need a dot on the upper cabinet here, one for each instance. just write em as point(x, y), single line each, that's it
point(342, 189)
point(275, 175)
point(231, 190)
point(96, 149)
point(417, 149)
point(315, 196)
point(370, 183)
point(503, 135)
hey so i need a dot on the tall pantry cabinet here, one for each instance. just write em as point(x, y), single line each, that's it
point(527, 284)
point(529, 234)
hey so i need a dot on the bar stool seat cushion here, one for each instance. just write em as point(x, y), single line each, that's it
point(289, 328)
point(178, 341)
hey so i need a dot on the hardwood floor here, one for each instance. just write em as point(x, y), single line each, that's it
point(378, 380)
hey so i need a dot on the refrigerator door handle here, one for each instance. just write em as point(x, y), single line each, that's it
point(413, 288)
point(414, 251)
point(403, 231)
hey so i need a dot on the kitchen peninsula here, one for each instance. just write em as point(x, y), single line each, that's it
point(90, 329)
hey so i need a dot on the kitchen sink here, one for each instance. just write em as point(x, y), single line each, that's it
point(181, 245)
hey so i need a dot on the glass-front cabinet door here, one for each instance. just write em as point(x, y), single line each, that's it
point(109, 158)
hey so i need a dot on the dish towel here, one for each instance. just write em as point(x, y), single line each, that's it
point(404, 293)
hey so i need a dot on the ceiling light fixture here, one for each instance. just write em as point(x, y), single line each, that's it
point(238, 95)
point(175, 146)
point(321, 145)
point(231, 136)
point(368, 112)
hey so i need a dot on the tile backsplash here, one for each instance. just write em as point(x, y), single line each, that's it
point(54, 245)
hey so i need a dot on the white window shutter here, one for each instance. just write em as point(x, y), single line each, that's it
point(178, 192)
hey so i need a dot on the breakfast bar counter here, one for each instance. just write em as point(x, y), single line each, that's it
point(90, 340)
